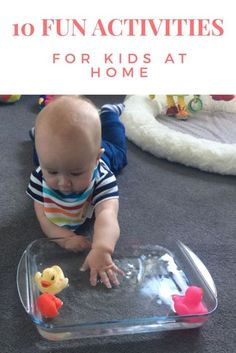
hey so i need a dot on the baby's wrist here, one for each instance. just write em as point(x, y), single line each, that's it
point(102, 248)
point(63, 239)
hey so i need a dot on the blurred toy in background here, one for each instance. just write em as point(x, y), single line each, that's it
point(44, 100)
point(190, 302)
point(152, 96)
point(9, 99)
point(195, 104)
point(182, 106)
point(177, 109)
point(51, 280)
point(222, 97)
point(49, 305)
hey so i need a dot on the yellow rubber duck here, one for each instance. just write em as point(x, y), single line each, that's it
point(51, 280)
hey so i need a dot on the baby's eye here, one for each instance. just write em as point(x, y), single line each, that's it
point(52, 172)
point(76, 174)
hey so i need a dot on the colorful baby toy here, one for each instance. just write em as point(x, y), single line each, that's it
point(177, 109)
point(44, 100)
point(51, 280)
point(8, 99)
point(195, 104)
point(190, 302)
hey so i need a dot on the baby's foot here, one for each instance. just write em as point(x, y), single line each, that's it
point(116, 108)
point(32, 134)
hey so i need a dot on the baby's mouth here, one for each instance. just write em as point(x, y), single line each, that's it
point(66, 192)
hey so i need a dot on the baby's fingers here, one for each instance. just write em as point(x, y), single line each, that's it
point(111, 272)
point(113, 278)
point(118, 270)
point(104, 278)
point(93, 277)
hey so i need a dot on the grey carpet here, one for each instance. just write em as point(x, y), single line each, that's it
point(159, 201)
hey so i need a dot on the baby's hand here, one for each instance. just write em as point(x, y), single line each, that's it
point(100, 263)
point(76, 243)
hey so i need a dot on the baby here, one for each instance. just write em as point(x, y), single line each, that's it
point(78, 153)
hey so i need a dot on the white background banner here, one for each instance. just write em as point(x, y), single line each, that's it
point(121, 47)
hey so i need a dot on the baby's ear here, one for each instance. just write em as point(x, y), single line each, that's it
point(100, 153)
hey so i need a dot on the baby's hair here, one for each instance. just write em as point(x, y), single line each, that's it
point(70, 118)
point(86, 99)
point(79, 97)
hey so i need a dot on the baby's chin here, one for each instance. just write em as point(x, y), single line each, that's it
point(66, 193)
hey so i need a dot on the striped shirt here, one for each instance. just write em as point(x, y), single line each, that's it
point(71, 210)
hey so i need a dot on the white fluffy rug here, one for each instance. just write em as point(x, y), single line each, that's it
point(150, 134)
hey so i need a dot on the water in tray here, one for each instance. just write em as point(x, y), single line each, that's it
point(151, 278)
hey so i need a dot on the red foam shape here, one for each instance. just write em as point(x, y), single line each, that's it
point(49, 305)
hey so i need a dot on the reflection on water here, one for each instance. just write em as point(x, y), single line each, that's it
point(158, 278)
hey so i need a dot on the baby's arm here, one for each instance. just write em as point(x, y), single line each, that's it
point(70, 241)
point(106, 234)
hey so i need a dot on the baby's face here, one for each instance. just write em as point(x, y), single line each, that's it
point(65, 169)
point(68, 180)
point(67, 140)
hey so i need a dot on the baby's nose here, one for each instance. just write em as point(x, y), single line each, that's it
point(64, 181)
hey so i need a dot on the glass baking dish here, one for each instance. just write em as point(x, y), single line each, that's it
point(142, 303)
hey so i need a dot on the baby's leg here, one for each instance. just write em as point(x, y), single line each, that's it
point(113, 137)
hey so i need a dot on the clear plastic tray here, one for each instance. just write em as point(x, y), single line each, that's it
point(142, 303)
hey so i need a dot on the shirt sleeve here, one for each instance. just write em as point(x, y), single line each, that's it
point(105, 185)
point(35, 187)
